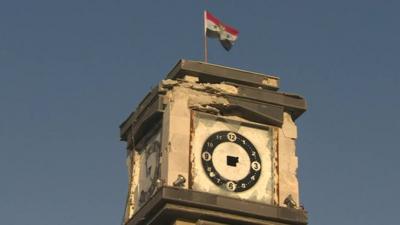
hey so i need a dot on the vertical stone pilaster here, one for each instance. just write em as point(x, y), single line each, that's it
point(176, 138)
point(288, 162)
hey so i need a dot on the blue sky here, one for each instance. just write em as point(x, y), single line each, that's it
point(71, 71)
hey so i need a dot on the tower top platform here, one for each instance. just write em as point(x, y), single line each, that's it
point(212, 73)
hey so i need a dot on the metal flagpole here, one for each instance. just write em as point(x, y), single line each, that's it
point(205, 38)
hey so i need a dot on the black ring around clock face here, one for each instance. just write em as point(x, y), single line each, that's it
point(254, 170)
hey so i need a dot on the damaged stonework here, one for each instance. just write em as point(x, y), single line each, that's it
point(168, 138)
point(144, 172)
point(288, 162)
point(133, 164)
point(275, 165)
point(175, 144)
point(180, 99)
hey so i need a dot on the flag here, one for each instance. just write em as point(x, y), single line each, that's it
point(214, 28)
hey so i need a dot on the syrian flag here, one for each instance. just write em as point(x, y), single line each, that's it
point(214, 28)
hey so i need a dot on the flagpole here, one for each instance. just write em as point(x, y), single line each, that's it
point(205, 38)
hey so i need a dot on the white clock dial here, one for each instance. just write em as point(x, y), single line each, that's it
point(231, 161)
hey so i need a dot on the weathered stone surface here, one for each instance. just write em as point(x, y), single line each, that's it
point(133, 162)
point(289, 128)
point(288, 162)
point(177, 118)
point(182, 222)
point(192, 112)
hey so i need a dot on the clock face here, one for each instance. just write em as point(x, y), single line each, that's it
point(231, 161)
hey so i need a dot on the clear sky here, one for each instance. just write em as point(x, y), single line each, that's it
point(71, 71)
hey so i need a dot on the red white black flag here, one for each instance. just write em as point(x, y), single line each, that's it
point(227, 35)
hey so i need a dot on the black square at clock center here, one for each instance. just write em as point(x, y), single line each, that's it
point(232, 160)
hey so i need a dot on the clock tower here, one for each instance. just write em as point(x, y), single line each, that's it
point(213, 145)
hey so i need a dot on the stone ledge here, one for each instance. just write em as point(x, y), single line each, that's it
point(169, 204)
